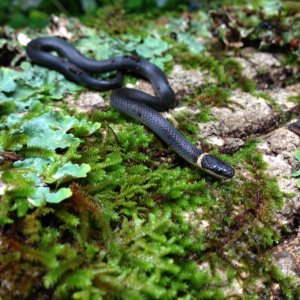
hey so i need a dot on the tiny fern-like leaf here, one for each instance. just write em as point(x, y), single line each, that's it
point(68, 218)
point(80, 279)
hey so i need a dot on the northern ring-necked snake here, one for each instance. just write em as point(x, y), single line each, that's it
point(141, 106)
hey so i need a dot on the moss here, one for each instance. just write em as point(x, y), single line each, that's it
point(235, 78)
point(214, 96)
point(107, 220)
point(295, 99)
point(227, 71)
point(114, 20)
point(192, 61)
point(187, 120)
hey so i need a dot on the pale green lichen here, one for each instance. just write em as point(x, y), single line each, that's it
point(38, 132)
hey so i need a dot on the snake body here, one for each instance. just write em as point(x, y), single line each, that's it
point(141, 106)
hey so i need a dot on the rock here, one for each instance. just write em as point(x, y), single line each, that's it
point(248, 115)
point(253, 61)
point(282, 97)
point(267, 69)
point(287, 257)
point(278, 150)
point(2, 186)
point(183, 82)
point(142, 85)
point(87, 102)
point(60, 26)
point(235, 287)
point(23, 39)
point(231, 145)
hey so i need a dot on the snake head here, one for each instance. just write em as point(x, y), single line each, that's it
point(215, 166)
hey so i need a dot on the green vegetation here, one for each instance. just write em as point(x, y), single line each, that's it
point(94, 206)
point(35, 13)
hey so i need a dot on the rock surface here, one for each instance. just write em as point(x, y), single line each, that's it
point(183, 82)
point(278, 148)
point(287, 257)
point(87, 102)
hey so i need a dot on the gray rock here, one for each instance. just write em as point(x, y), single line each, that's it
point(247, 115)
point(287, 256)
point(254, 61)
point(278, 150)
point(183, 82)
point(87, 102)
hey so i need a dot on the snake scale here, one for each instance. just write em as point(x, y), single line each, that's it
point(141, 106)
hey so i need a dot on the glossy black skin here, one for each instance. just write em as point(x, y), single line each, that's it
point(137, 104)
point(295, 127)
point(217, 167)
point(79, 68)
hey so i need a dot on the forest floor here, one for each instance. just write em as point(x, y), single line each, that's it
point(94, 205)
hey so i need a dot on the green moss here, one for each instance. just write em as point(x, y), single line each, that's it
point(235, 78)
point(113, 19)
point(227, 71)
point(192, 61)
point(110, 231)
point(214, 96)
point(295, 99)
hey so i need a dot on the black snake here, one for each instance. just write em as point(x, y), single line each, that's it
point(137, 104)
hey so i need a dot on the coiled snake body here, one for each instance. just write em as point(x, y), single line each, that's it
point(137, 104)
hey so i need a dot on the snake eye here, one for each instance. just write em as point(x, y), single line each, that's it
point(215, 166)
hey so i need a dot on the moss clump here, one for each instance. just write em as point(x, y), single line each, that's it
point(114, 20)
point(214, 96)
point(228, 71)
point(295, 99)
point(126, 231)
point(235, 78)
